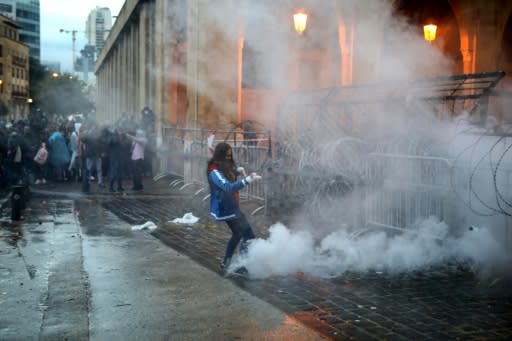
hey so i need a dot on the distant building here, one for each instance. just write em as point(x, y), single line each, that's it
point(98, 26)
point(26, 13)
point(14, 71)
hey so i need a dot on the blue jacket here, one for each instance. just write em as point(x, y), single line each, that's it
point(58, 152)
point(223, 205)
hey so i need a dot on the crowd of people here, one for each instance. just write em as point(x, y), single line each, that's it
point(37, 150)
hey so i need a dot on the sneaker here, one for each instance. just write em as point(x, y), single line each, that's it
point(222, 269)
point(102, 185)
point(242, 271)
point(43, 181)
point(91, 178)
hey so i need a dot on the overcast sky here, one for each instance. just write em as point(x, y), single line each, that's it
point(68, 15)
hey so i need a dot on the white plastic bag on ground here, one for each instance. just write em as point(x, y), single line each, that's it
point(188, 218)
point(149, 225)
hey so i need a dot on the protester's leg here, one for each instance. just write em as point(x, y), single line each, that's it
point(247, 233)
point(236, 235)
point(85, 175)
point(38, 173)
point(118, 175)
point(99, 171)
point(134, 174)
point(111, 174)
point(137, 174)
point(88, 166)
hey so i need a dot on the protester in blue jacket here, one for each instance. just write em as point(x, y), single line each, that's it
point(225, 199)
point(58, 154)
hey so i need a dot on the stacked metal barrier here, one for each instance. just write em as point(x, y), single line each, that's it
point(406, 189)
point(327, 154)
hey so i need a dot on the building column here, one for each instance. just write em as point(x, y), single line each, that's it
point(346, 44)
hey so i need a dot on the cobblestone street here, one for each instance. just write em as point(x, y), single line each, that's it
point(447, 302)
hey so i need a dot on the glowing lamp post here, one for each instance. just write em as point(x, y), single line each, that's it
point(429, 31)
point(299, 21)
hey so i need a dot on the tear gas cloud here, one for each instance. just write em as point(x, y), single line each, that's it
point(327, 238)
point(287, 251)
point(330, 236)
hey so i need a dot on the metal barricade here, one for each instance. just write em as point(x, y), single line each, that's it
point(403, 190)
point(185, 153)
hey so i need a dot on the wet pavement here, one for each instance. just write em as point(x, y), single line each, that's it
point(71, 270)
point(448, 302)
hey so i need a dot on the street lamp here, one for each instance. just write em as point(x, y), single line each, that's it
point(300, 21)
point(429, 32)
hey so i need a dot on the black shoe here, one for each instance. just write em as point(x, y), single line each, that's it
point(222, 269)
point(102, 185)
point(242, 271)
point(111, 190)
point(120, 189)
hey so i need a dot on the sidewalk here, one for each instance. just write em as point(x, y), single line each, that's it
point(71, 270)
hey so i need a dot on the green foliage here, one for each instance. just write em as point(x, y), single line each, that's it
point(62, 95)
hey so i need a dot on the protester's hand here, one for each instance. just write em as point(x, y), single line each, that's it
point(252, 177)
point(241, 170)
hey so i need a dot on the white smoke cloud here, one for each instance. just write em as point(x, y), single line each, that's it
point(428, 244)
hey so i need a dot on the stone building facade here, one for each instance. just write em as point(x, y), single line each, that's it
point(212, 64)
point(14, 71)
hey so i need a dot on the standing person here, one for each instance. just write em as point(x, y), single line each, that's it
point(95, 147)
point(40, 164)
point(138, 146)
point(114, 152)
point(32, 145)
point(224, 199)
point(58, 154)
point(74, 164)
point(14, 159)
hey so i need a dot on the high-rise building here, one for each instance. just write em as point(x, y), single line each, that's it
point(26, 13)
point(98, 26)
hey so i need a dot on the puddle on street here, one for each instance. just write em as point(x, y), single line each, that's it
point(96, 221)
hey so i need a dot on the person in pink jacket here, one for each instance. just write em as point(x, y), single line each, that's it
point(138, 146)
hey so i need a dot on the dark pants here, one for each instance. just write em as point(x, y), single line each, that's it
point(40, 171)
point(240, 229)
point(114, 173)
point(138, 170)
point(14, 172)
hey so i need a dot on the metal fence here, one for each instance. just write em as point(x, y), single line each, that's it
point(406, 189)
point(185, 153)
